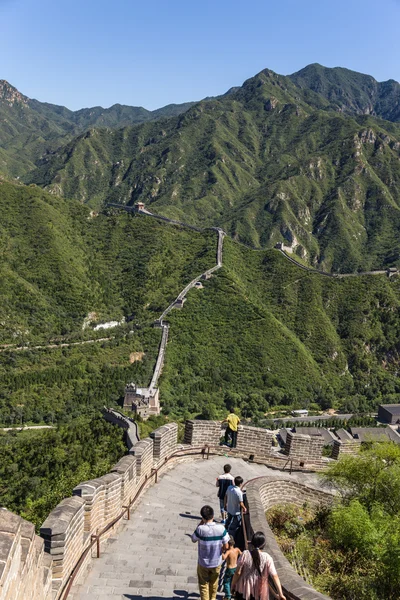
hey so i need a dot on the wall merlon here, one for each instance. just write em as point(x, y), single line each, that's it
point(60, 517)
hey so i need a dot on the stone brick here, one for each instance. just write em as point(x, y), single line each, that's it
point(24, 571)
point(143, 451)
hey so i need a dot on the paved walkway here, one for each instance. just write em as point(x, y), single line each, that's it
point(152, 555)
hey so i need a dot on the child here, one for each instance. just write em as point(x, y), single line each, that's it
point(230, 556)
point(223, 482)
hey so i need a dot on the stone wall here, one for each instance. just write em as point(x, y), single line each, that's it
point(165, 441)
point(126, 467)
point(143, 451)
point(96, 505)
point(64, 538)
point(265, 492)
point(306, 447)
point(345, 447)
point(131, 428)
point(25, 569)
point(199, 433)
point(254, 442)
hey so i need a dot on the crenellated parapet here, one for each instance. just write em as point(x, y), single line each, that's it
point(198, 433)
point(300, 446)
point(64, 537)
point(346, 445)
point(165, 440)
point(75, 530)
point(25, 569)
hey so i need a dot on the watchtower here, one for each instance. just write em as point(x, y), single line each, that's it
point(143, 401)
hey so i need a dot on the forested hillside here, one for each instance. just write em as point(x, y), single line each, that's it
point(59, 263)
point(264, 332)
point(261, 331)
point(38, 469)
point(30, 129)
point(273, 160)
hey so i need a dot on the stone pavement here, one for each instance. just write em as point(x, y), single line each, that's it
point(152, 556)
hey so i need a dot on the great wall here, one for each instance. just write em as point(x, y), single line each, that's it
point(54, 565)
point(85, 529)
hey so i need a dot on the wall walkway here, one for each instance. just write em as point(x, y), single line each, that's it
point(152, 556)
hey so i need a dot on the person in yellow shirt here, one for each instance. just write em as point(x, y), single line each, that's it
point(232, 421)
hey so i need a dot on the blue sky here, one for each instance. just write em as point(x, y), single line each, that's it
point(87, 53)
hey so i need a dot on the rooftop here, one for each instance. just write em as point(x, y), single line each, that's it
point(394, 409)
point(365, 434)
point(321, 431)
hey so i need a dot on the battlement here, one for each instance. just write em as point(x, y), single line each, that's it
point(25, 569)
point(80, 524)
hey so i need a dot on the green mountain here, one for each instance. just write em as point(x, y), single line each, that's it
point(260, 333)
point(263, 333)
point(30, 129)
point(270, 161)
point(57, 264)
point(352, 92)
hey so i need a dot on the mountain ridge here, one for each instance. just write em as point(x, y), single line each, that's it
point(30, 129)
point(281, 158)
point(268, 162)
point(352, 92)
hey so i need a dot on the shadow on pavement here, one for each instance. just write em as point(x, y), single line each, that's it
point(176, 595)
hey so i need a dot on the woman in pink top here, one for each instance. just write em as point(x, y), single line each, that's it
point(254, 566)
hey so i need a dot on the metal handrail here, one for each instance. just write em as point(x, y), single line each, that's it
point(95, 538)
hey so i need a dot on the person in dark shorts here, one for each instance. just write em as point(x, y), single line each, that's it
point(230, 557)
point(234, 506)
point(232, 421)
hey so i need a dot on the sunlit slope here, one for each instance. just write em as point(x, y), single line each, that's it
point(269, 162)
point(58, 264)
point(264, 332)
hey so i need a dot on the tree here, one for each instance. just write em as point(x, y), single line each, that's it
point(371, 477)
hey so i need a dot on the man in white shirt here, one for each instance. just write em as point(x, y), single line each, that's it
point(234, 506)
point(212, 538)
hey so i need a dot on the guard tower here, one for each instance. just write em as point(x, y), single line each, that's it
point(143, 401)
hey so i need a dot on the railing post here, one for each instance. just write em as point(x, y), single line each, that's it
point(97, 538)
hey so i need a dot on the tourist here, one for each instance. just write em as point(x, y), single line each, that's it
point(232, 421)
point(230, 557)
point(234, 506)
point(250, 581)
point(223, 482)
point(213, 539)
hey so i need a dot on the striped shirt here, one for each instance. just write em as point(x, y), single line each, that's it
point(211, 537)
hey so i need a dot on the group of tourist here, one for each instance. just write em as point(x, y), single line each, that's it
point(246, 573)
